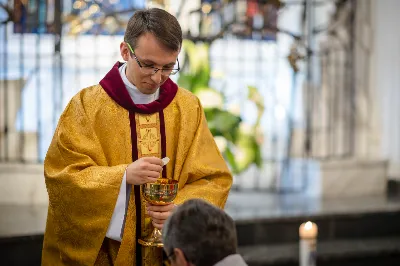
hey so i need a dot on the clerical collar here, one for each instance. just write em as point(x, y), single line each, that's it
point(114, 86)
point(136, 95)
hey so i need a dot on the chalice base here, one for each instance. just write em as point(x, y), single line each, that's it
point(152, 240)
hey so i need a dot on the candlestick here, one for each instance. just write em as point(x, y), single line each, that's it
point(308, 244)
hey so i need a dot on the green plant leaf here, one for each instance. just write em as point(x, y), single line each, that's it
point(247, 151)
point(222, 123)
point(242, 149)
point(256, 97)
point(230, 157)
point(186, 81)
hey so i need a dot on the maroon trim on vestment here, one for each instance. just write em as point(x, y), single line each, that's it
point(133, 136)
point(163, 141)
point(136, 188)
point(114, 86)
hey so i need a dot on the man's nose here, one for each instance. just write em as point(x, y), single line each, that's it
point(156, 77)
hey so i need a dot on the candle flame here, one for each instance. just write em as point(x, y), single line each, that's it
point(308, 225)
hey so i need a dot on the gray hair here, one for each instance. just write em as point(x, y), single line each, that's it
point(204, 233)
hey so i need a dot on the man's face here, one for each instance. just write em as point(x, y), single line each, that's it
point(149, 52)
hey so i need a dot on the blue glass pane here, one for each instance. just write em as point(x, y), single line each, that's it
point(81, 16)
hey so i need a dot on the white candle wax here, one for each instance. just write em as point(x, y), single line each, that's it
point(308, 243)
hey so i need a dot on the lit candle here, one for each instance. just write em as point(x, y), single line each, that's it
point(308, 244)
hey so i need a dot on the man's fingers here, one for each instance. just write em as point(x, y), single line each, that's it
point(153, 160)
point(154, 167)
point(156, 225)
point(158, 221)
point(159, 215)
point(151, 174)
point(165, 208)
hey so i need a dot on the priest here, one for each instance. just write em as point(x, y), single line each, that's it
point(110, 140)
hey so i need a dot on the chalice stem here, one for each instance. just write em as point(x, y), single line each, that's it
point(157, 235)
point(154, 239)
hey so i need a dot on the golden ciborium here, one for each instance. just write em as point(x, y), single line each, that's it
point(162, 192)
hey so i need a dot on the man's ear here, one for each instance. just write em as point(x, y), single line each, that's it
point(180, 258)
point(123, 48)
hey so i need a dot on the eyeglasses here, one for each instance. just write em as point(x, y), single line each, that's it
point(150, 70)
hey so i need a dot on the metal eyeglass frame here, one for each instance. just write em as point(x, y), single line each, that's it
point(155, 69)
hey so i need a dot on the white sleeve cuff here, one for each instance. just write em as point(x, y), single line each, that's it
point(117, 220)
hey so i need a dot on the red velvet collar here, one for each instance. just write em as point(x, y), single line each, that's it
point(114, 86)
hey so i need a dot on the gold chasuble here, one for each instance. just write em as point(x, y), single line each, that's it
point(99, 134)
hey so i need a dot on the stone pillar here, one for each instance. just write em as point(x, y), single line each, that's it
point(385, 82)
point(345, 121)
point(14, 144)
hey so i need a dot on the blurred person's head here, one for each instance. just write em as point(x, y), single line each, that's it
point(152, 42)
point(199, 234)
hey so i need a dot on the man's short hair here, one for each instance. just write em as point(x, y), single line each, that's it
point(204, 233)
point(164, 26)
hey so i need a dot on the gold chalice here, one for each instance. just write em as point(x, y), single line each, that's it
point(162, 192)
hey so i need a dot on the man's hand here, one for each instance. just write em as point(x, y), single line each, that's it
point(159, 214)
point(144, 170)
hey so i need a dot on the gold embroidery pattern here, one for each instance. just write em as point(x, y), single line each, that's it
point(148, 135)
point(149, 144)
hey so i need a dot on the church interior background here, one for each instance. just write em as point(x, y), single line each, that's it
point(302, 97)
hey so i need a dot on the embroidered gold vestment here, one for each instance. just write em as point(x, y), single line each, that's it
point(101, 132)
